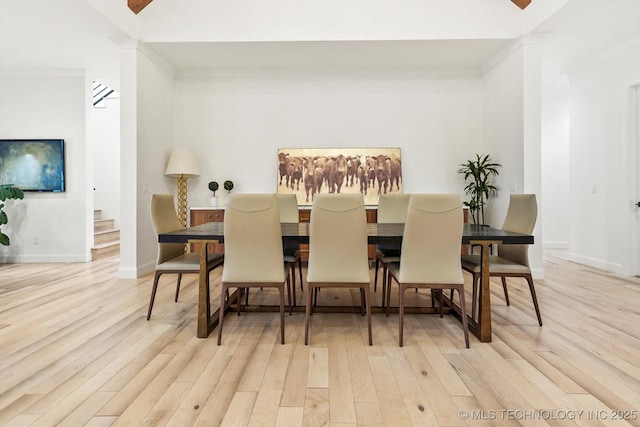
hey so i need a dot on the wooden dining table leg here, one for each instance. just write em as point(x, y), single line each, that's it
point(204, 300)
point(482, 328)
point(208, 321)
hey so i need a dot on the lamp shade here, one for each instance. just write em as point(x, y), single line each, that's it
point(182, 163)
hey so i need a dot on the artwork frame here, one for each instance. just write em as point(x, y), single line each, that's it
point(33, 164)
point(307, 171)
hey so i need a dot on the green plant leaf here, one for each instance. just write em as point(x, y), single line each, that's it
point(213, 187)
point(7, 191)
point(478, 174)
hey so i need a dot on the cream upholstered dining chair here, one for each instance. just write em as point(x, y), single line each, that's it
point(171, 256)
point(512, 260)
point(392, 208)
point(253, 250)
point(288, 207)
point(338, 255)
point(430, 256)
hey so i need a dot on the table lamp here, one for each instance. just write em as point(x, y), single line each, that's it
point(182, 165)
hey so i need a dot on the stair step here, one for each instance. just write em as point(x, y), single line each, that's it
point(105, 250)
point(97, 214)
point(106, 236)
point(103, 225)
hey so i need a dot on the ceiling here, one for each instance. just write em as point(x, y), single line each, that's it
point(195, 36)
point(437, 56)
point(57, 35)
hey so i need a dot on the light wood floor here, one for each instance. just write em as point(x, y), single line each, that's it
point(75, 349)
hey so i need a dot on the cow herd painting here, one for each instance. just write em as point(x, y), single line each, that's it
point(370, 171)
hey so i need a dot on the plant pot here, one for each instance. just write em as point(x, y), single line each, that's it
point(214, 201)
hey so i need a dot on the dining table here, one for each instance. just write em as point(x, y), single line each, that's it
point(480, 236)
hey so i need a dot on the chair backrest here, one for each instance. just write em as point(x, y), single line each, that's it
point(288, 207)
point(252, 239)
point(431, 240)
point(338, 239)
point(392, 208)
point(165, 219)
point(521, 218)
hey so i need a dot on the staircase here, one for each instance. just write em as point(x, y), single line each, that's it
point(106, 238)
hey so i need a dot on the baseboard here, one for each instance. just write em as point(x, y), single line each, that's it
point(135, 272)
point(537, 273)
point(31, 259)
point(594, 262)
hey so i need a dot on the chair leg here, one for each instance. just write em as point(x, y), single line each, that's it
point(506, 292)
point(292, 285)
point(307, 315)
point(534, 297)
point(388, 292)
point(178, 287)
point(463, 312)
point(223, 292)
point(375, 278)
point(153, 294)
point(385, 281)
point(362, 302)
point(281, 290)
point(401, 313)
point(288, 281)
point(474, 295)
point(300, 271)
point(367, 297)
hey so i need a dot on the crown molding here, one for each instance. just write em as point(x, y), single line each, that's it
point(515, 45)
point(145, 50)
point(42, 72)
point(594, 59)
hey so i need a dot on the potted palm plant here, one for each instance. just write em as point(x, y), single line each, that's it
point(213, 186)
point(7, 191)
point(478, 174)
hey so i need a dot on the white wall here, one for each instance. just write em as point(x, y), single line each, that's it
point(556, 210)
point(104, 131)
point(602, 171)
point(146, 142)
point(35, 105)
point(237, 124)
point(513, 129)
point(504, 128)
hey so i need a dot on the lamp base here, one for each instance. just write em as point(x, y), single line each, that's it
point(182, 201)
